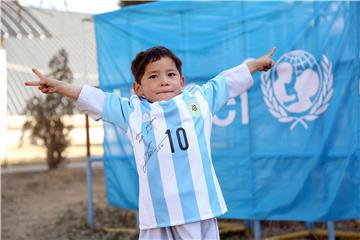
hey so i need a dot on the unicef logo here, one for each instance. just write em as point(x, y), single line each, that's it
point(298, 89)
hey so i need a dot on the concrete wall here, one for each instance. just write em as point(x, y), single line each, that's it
point(27, 153)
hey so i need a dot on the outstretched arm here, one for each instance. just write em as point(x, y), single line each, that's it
point(48, 85)
point(238, 79)
point(263, 63)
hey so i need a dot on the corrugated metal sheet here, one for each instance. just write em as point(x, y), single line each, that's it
point(18, 22)
point(68, 31)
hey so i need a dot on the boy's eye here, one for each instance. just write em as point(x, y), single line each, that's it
point(153, 76)
point(172, 74)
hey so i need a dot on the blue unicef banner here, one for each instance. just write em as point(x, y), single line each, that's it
point(288, 149)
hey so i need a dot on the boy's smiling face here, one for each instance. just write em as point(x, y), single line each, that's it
point(161, 81)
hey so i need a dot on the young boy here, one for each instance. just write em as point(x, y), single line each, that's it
point(170, 128)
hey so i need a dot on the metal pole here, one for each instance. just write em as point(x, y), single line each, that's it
point(309, 226)
point(85, 79)
point(89, 173)
point(257, 230)
point(331, 230)
point(137, 219)
point(89, 181)
point(88, 154)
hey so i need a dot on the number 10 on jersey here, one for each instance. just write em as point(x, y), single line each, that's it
point(181, 139)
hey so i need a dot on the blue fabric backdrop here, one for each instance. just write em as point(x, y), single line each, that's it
point(288, 149)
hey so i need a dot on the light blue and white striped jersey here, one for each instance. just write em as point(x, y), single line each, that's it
point(171, 142)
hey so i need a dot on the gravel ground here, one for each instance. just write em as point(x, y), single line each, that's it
point(52, 205)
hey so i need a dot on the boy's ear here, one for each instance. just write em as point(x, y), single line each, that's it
point(182, 81)
point(137, 89)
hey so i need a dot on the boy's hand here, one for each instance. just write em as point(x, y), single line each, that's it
point(45, 85)
point(263, 63)
point(48, 85)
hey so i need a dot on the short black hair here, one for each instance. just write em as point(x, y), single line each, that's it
point(150, 55)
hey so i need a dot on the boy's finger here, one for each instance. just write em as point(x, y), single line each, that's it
point(271, 51)
point(37, 83)
point(39, 74)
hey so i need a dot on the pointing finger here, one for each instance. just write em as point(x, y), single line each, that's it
point(37, 83)
point(271, 51)
point(39, 74)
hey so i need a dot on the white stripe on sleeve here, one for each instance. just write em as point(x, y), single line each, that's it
point(91, 102)
point(238, 80)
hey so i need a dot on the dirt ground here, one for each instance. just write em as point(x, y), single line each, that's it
point(52, 205)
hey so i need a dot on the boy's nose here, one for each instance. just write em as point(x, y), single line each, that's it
point(164, 81)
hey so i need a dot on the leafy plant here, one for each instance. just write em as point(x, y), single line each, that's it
point(45, 114)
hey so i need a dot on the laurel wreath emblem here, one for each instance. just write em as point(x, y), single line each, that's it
point(317, 109)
